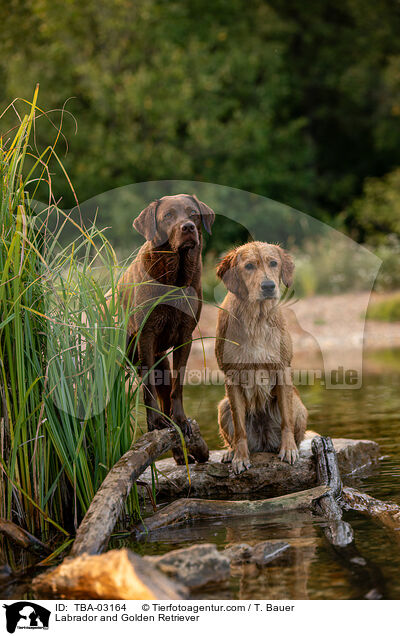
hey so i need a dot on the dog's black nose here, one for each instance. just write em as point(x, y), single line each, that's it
point(189, 226)
point(267, 286)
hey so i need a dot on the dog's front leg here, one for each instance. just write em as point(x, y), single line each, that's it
point(241, 458)
point(288, 451)
point(180, 358)
point(155, 419)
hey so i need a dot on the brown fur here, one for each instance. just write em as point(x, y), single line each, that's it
point(168, 262)
point(262, 410)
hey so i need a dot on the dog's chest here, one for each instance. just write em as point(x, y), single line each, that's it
point(171, 325)
point(261, 343)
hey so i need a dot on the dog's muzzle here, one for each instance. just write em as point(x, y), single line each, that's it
point(268, 289)
point(189, 235)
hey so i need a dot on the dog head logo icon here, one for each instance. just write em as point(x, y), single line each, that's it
point(26, 615)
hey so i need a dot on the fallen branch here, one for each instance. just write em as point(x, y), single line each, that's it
point(22, 538)
point(97, 525)
point(386, 513)
point(95, 530)
point(186, 509)
point(339, 533)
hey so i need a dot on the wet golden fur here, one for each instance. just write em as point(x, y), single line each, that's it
point(262, 410)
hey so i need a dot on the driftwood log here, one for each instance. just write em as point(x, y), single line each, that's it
point(267, 476)
point(338, 532)
point(23, 539)
point(386, 513)
point(94, 532)
point(184, 510)
point(123, 575)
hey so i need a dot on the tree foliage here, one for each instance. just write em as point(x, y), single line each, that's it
point(297, 101)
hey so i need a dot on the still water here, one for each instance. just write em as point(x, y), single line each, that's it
point(310, 569)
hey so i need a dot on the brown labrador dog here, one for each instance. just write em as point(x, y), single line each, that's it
point(162, 292)
point(262, 410)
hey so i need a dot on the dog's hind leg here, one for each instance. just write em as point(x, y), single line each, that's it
point(235, 432)
point(300, 415)
point(226, 429)
point(163, 384)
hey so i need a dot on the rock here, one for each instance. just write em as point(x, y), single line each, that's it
point(267, 551)
point(354, 455)
point(201, 564)
point(267, 473)
point(118, 574)
point(261, 553)
point(195, 566)
point(239, 553)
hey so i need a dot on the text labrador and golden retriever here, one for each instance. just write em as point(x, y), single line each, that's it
point(262, 410)
point(161, 291)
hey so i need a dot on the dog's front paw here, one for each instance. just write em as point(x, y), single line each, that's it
point(157, 423)
point(240, 464)
point(227, 457)
point(289, 453)
point(179, 456)
point(185, 424)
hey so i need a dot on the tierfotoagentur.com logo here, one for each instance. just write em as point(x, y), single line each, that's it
point(26, 615)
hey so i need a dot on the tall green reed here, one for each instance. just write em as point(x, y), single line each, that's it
point(69, 408)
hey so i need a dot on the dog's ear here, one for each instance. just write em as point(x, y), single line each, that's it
point(146, 222)
point(287, 268)
point(227, 271)
point(207, 214)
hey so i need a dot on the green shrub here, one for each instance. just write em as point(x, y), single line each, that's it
point(376, 212)
point(387, 310)
point(332, 264)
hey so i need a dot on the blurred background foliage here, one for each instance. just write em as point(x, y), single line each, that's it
point(295, 101)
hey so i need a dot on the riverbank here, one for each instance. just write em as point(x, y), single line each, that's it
point(327, 332)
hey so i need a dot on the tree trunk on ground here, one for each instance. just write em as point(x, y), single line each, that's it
point(338, 532)
point(23, 539)
point(386, 513)
point(266, 478)
point(184, 510)
point(94, 532)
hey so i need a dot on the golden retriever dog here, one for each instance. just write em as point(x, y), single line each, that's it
point(262, 410)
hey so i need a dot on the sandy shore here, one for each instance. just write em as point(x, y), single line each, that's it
point(327, 332)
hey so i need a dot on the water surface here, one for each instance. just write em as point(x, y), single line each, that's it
point(310, 568)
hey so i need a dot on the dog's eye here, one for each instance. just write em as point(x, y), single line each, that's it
point(273, 263)
point(249, 266)
point(167, 215)
point(193, 213)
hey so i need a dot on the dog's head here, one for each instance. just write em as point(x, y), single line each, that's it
point(254, 271)
point(175, 219)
